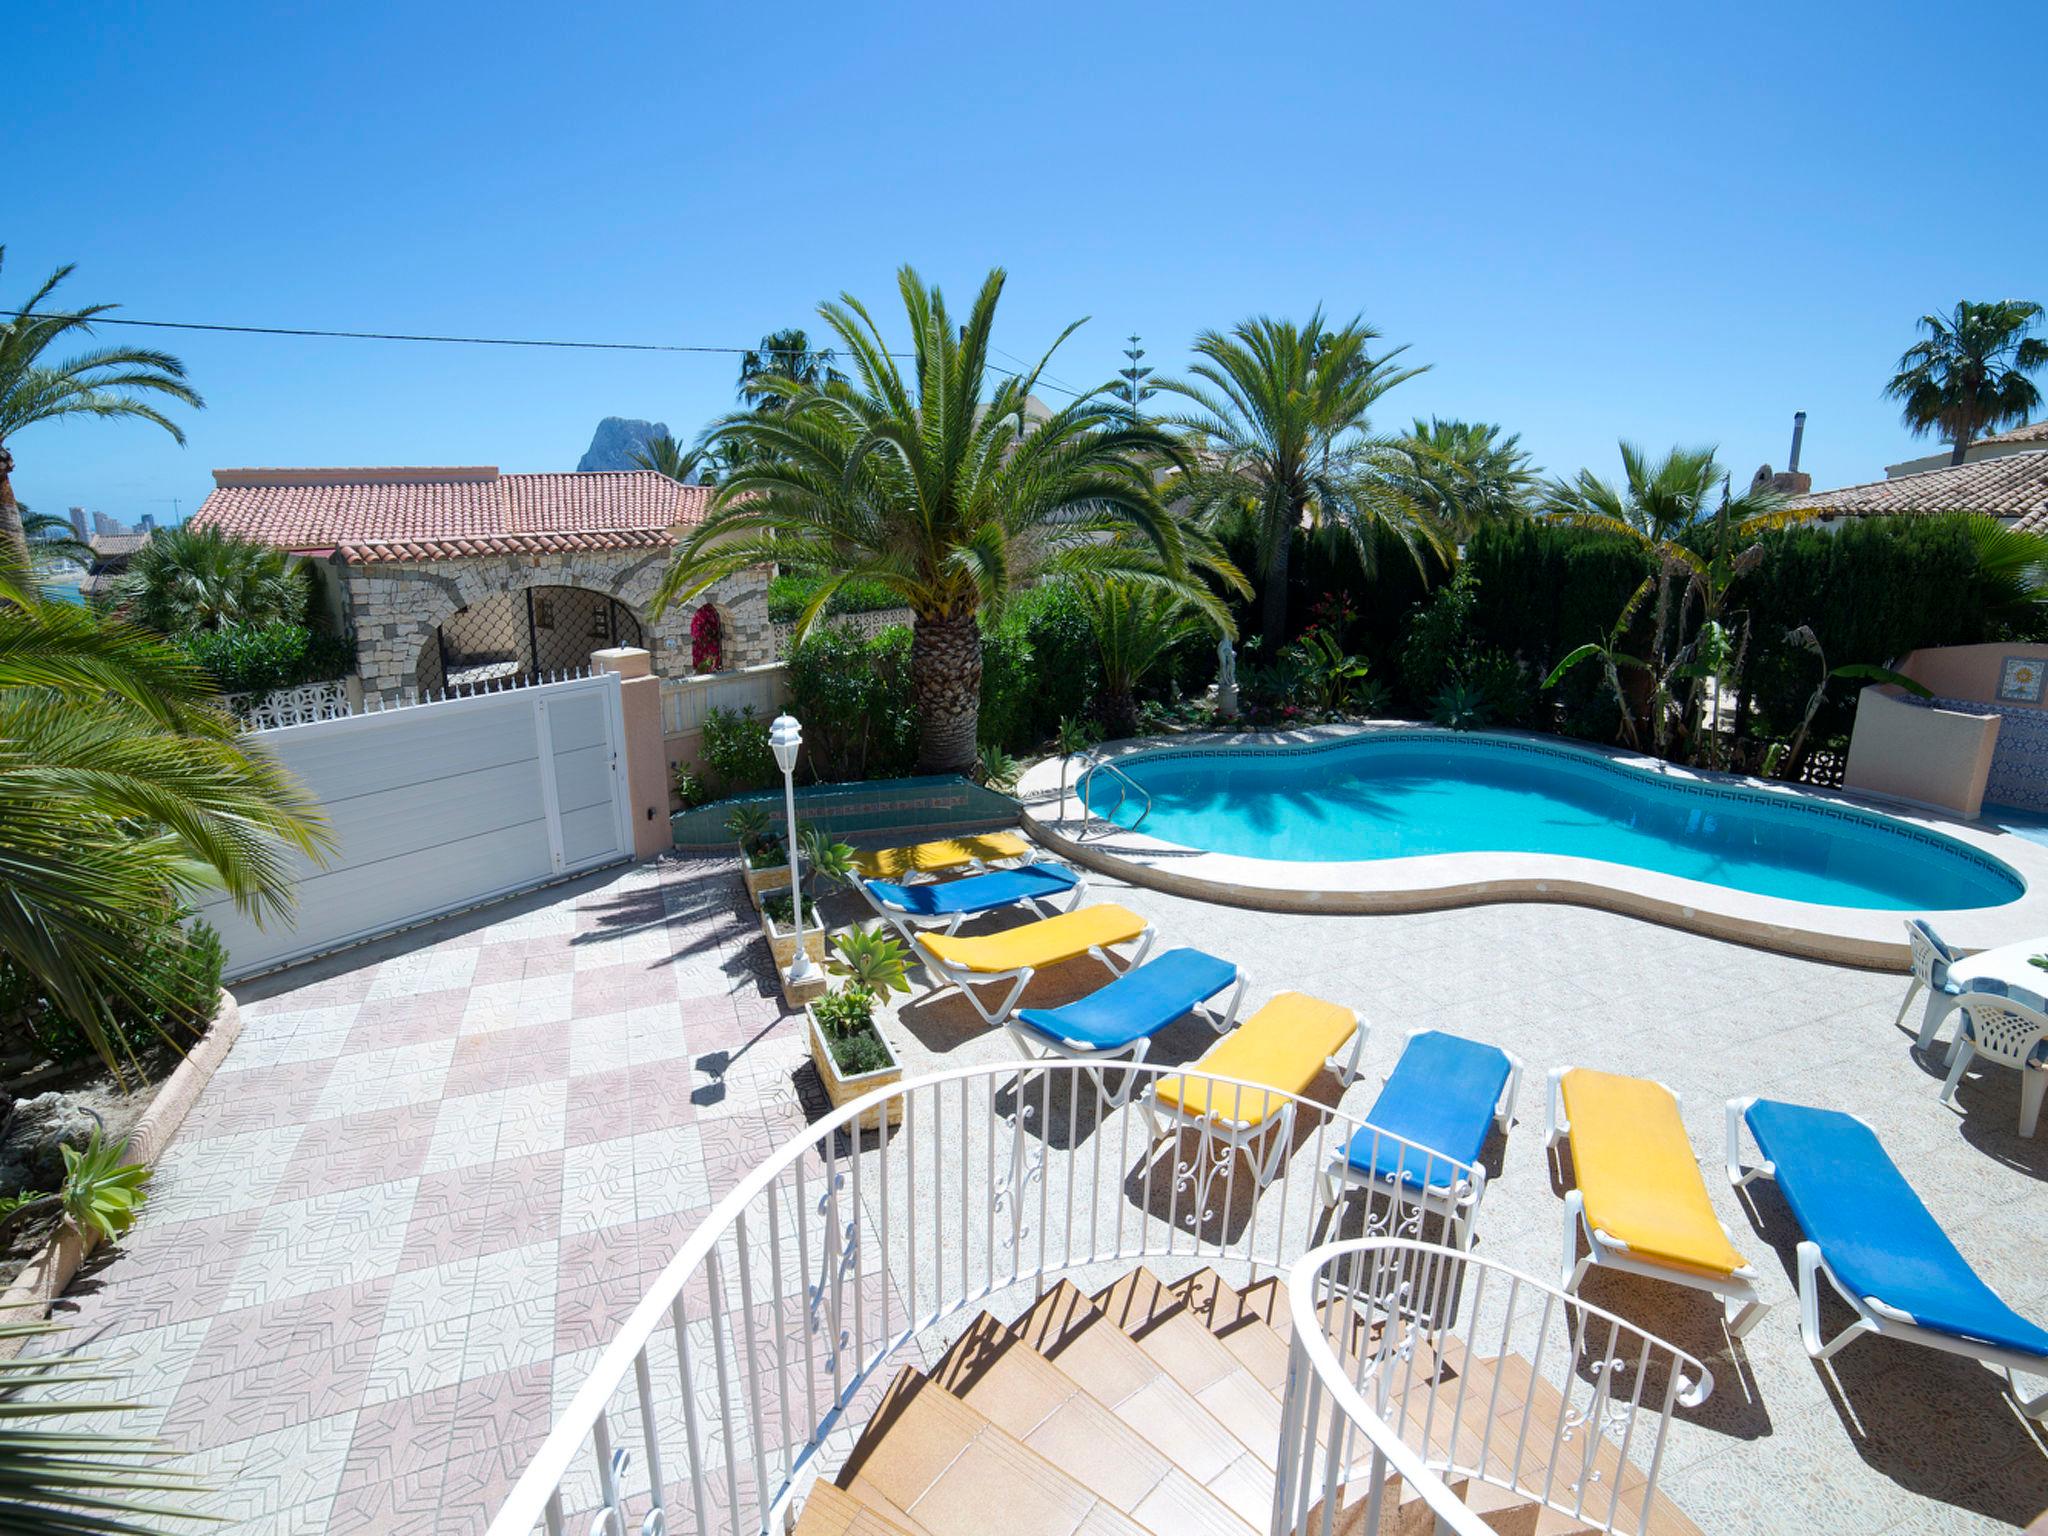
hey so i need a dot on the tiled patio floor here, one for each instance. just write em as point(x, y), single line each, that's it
point(435, 1173)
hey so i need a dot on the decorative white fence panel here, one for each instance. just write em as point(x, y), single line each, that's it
point(436, 807)
point(303, 705)
point(685, 701)
point(866, 625)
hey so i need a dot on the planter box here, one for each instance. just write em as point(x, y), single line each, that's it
point(774, 878)
point(796, 994)
point(782, 941)
point(844, 1090)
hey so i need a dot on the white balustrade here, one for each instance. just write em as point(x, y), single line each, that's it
point(740, 1375)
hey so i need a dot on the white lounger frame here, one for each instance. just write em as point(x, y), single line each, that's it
point(1033, 1045)
point(1457, 1203)
point(907, 923)
point(1612, 1253)
point(1872, 1315)
point(1263, 1145)
point(941, 974)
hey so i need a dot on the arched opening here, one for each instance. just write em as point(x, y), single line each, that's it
point(513, 638)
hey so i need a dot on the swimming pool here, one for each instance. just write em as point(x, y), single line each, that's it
point(1400, 794)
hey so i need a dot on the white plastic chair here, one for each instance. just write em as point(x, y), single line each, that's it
point(1931, 961)
point(2009, 1033)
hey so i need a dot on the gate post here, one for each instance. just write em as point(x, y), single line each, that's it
point(646, 763)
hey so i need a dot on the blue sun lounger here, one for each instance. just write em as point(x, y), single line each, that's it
point(947, 904)
point(1117, 1022)
point(1878, 1246)
point(1429, 1123)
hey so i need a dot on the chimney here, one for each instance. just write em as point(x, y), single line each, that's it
point(1798, 436)
point(1792, 481)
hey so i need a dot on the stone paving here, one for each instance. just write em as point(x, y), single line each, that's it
point(435, 1173)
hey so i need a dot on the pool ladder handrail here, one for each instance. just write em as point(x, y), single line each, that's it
point(1125, 784)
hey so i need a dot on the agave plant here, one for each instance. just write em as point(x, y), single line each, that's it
point(871, 959)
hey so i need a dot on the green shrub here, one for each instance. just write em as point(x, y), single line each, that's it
point(260, 658)
point(1038, 665)
point(1442, 638)
point(790, 591)
point(846, 1018)
point(853, 696)
point(736, 752)
point(180, 966)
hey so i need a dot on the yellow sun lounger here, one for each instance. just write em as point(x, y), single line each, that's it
point(1018, 954)
point(1640, 1200)
point(1283, 1047)
point(937, 857)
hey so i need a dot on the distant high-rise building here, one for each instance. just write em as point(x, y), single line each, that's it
point(146, 523)
point(78, 528)
point(109, 527)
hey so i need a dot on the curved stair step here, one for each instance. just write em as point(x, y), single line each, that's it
point(1067, 1329)
point(947, 1467)
point(830, 1510)
point(1162, 1325)
point(997, 1374)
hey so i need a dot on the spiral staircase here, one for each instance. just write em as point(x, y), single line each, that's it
point(1156, 1408)
point(1304, 1367)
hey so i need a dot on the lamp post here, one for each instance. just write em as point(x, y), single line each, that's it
point(785, 736)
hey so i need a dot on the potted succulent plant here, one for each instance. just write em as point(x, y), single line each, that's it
point(851, 1054)
point(821, 862)
point(778, 926)
point(764, 860)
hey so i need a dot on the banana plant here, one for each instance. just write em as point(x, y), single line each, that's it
point(1806, 639)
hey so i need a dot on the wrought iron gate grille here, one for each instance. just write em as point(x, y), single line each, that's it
point(517, 638)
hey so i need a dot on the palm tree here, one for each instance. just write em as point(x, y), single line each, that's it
point(187, 579)
point(1969, 374)
point(1136, 625)
point(665, 456)
point(1696, 555)
point(933, 486)
point(1657, 500)
point(124, 792)
point(1280, 435)
point(51, 540)
point(1465, 474)
point(786, 355)
point(102, 381)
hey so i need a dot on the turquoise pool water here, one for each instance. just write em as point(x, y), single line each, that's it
point(1397, 796)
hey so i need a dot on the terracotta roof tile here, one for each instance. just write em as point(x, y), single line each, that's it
point(2033, 432)
point(440, 513)
point(2014, 486)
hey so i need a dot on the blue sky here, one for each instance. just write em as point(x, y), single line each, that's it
point(1676, 224)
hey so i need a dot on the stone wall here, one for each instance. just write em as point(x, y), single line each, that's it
point(395, 608)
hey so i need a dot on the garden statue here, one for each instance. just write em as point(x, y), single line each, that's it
point(1226, 679)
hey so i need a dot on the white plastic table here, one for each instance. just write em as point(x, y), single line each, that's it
point(2009, 965)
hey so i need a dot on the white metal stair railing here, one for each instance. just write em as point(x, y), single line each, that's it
point(1125, 786)
point(711, 1408)
point(1403, 1312)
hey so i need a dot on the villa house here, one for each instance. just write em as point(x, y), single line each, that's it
point(466, 577)
point(2004, 477)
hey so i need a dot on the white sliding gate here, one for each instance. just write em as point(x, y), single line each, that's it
point(436, 807)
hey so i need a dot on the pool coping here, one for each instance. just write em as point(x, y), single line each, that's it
point(1865, 937)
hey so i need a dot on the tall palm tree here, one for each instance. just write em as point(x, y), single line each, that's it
point(931, 484)
point(1968, 375)
point(1280, 434)
point(186, 579)
point(665, 456)
point(1466, 474)
point(124, 792)
point(786, 355)
point(101, 381)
